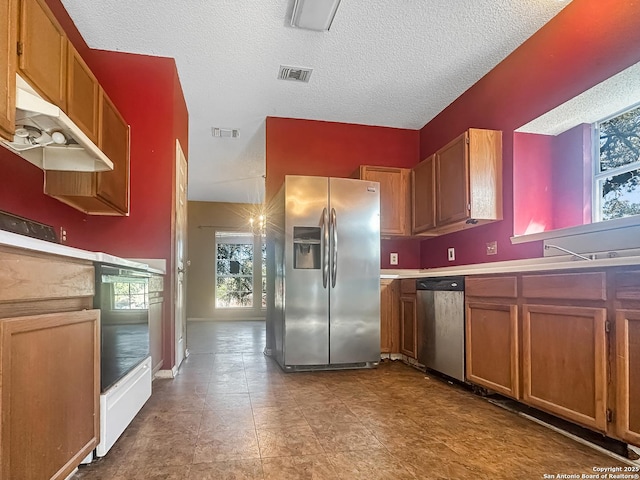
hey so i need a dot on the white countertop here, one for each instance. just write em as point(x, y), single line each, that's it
point(514, 266)
point(28, 243)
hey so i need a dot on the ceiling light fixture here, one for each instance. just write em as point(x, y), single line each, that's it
point(314, 14)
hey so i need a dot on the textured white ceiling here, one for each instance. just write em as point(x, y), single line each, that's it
point(604, 100)
point(391, 63)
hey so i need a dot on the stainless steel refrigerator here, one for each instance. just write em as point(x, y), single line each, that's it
point(324, 274)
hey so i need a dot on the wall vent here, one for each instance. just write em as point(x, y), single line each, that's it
point(225, 132)
point(296, 74)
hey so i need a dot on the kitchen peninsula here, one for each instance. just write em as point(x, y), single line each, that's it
point(559, 334)
point(50, 355)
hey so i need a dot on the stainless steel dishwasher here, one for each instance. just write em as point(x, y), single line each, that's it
point(440, 305)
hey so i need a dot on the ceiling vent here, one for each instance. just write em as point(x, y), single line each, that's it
point(296, 74)
point(225, 132)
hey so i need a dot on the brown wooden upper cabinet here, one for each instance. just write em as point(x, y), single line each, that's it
point(460, 186)
point(394, 197)
point(83, 95)
point(42, 51)
point(114, 142)
point(98, 193)
point(8, 36)
point(52, 67)
point(423, 178)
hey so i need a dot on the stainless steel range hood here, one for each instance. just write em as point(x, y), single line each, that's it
point(46, 136)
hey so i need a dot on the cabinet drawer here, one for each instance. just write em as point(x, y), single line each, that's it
point(628, 285)
point(505, 287)
point(408, 286)
point(566, 286)
point(38, 277)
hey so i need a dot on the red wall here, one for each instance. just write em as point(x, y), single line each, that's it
point(308, 147)
point(587, 42)
point(146, 90)
point(571, 178)
point(532, 183)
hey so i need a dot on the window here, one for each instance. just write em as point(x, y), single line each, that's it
point(617, 170)
point(130, 295)
point(238, 272)
point(234, 269)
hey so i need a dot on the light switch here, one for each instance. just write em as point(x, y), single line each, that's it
point(451, 254)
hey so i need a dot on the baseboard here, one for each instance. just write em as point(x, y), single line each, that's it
point(75, 470)
point(391, 356)
point(167, 373)
point(412, 362)
point(243, 318)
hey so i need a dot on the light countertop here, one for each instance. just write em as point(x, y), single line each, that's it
point(514, 266)
point(28, 243)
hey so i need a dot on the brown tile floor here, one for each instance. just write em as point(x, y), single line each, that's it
point(233, 414)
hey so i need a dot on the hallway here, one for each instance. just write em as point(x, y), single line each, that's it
point(232, 413)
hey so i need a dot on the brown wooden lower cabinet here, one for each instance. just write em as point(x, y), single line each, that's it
point(50, 393)
point(389, 312)
point(564, 362)
point(492, 346)
point(628, 375)
point(408, 326)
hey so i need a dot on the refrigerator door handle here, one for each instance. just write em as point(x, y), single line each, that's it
point(325, 248)
point(334, 247)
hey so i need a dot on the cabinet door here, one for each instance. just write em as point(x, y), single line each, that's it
point(83, 93)
point(389, 313)
point(485, 174)
point(628, 375)
point(113, 186)
point(394, 191)
point(155, 334)
point(8, 22)
point(492, 347)
point(43, 60)
point(408, 326)
point(423, 196)
point(50, 393)
point(564, 362)
point(452, 182)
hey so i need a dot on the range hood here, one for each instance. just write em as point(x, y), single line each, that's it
point(46, 136)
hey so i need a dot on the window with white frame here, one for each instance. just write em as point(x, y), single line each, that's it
point(240, 270)
point(131, 295)
point(616, 191)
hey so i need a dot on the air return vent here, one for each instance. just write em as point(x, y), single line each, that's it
point(225, 132)
point(296, 74)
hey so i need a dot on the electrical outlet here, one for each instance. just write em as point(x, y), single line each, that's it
point(63, 235)
point(451, 254)
point(393, 258)
point(492, 248)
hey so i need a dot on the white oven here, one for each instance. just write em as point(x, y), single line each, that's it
point(122, 295)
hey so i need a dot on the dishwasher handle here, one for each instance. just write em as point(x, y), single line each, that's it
point(441, 284)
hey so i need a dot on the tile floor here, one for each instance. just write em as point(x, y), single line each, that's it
point(233, 414)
